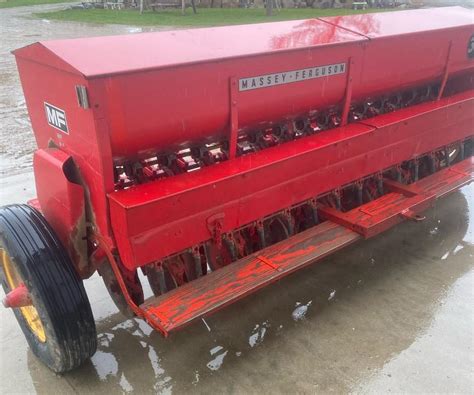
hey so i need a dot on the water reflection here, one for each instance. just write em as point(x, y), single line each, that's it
point(313, 31)
point(300, 311)
point(388, 291)
point(218, 354)
point(258, 334)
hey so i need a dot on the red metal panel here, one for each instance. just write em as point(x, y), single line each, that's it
point(190, 104)
point(108, 55)
point(207, 294)
point(62, 202)
point(417, 37)
point(100, 56)
point(154, 220)
point(380, 66)
point(387, 24)
point(186, 85)
point(42, 55)
point(88, 138)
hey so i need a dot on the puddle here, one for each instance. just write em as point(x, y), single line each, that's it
point(299, 313)
point(219, 354)
point(105, 364)
point(258, 334)
point(332, 295)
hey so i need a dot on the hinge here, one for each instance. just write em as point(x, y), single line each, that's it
point(82, 99)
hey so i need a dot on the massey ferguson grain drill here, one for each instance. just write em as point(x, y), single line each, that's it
point(219, 160)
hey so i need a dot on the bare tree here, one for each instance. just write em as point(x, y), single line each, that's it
point(269, 7)
point(183, 6)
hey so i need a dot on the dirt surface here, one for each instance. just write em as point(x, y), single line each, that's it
point(18, 28)
point(393, 314)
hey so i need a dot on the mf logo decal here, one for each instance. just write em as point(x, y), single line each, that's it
point(56, 117)
point(287, 77)
point(470, 48)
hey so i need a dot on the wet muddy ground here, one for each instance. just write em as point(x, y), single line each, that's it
point(391, 314)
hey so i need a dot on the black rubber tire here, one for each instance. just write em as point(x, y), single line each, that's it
point(55, 288)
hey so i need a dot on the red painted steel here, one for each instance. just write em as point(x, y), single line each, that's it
point(448, 180)
point(156, 219)
point(379, 215)
point(178, 93)
point(382, 25)
point(62, 202)
point(18, 297)
point(87, 142)
point(131, 53)
point(229, 284)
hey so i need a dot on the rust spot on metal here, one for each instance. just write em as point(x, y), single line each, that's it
point(268, 262)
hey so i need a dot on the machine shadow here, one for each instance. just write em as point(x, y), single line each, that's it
point(376, 296)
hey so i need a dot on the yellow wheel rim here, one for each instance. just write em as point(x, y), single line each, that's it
point(30, 314)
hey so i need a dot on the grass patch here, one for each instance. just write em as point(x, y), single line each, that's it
point(21, 3)
point(204, 17)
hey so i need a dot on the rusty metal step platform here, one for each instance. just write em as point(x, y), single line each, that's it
point(230, 283)
point(383, 213)
point(209, 293)
point(447, 180)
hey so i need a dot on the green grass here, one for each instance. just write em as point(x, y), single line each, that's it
point(204, 17)
point(20, 3)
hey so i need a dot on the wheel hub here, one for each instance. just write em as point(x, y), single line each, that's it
point(19, 297)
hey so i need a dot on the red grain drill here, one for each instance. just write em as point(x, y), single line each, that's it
point(219, 160)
